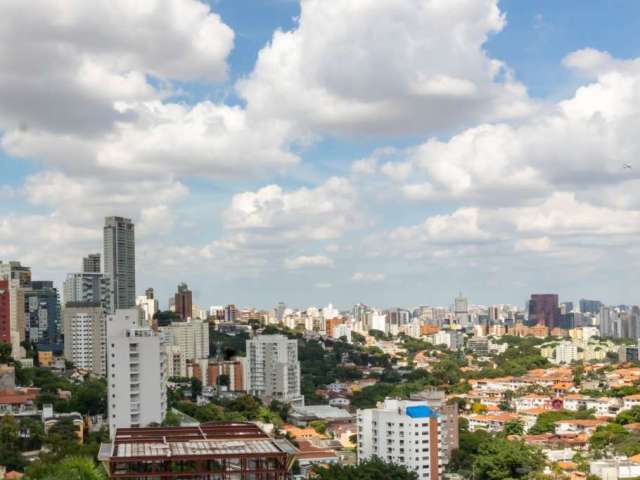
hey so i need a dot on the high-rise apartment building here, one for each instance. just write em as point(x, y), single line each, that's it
point(405, 432)
point(272, 369)
point(136, 366)
point(183, 302)
point(191, 337)
point(544, 310)
point(5, 312)
point(19, 279)
point(230, 313)
point(42, 316)
point(461, 304)
point(84, 326)
point(91, 263)
point(87, 287)
point(120, 261)
point(590, 306)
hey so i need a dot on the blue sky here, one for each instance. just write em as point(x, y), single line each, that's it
point(314, 201)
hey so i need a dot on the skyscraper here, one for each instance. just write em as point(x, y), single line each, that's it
point(120, 261)
point(183, 302)
point(91, 263)
point(544, 310)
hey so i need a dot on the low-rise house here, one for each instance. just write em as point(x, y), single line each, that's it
point(603, 406)
point(587, 426)
point(310, 455)
point(615, 468)
point(630, 401)
point(18, 401)
point(533, 400)
point(493, 422)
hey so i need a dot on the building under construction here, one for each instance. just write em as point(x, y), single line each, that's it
point(213, 451)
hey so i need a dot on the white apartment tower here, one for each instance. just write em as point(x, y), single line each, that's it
point(272, 369)
point(136, 365)
point(404, 432)
point(84, 326)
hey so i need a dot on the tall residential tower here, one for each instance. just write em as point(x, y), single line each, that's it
point(120, 261)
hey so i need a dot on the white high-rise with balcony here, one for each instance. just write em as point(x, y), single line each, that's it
point(272, 369)
point(136, 365)
point(405, 432)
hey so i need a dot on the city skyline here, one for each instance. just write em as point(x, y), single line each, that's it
point(500, 163)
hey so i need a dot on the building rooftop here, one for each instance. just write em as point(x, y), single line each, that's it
point(214, 439)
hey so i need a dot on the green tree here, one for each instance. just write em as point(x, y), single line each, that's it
point(319, 426)
point(5, 353)
point(31, 433)
point(546, 421)
point(196, 389)
point(70, 468)
point(502, 459)
point(61, 440)
point(629, 416)
point(10, 455)
point(513, 427)
point(374, 469)
point(171, 419)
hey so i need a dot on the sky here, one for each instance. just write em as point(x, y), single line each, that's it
point(390, 152)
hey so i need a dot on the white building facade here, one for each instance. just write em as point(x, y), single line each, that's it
point(191, 337)
point(272, 369)
point(136, 366)
point(404, 432)
point(84, 326)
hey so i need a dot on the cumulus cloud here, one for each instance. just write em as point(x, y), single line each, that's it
point(84, 56)
point(272, 214)
point(99, 197)
point(210, 139)
point(579, 144)
point(391, 66)
point(312, 261)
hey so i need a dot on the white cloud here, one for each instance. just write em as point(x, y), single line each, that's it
point(84, 56)
point(579, 144)
point(46, 242)
point(312, 261)
point(367, 277)
point(392, 66)
point(322, 213)
point(101, 197)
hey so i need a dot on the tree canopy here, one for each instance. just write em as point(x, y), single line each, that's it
point(374, 469)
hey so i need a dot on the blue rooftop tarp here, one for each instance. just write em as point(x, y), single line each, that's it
point(420, 411)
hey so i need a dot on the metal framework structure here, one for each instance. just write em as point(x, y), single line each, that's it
point(212, 451)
